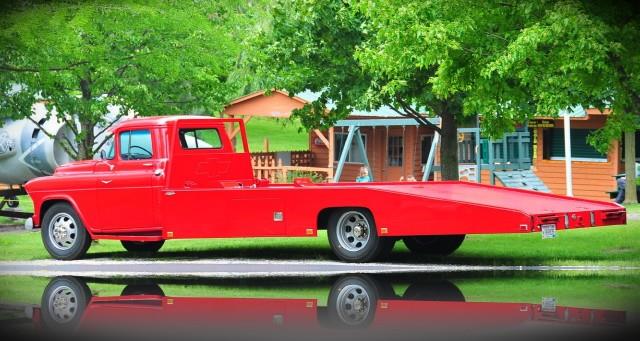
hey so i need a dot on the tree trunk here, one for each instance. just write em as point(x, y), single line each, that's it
point(631, 196)
point(85, 145)
point(449, 147)
point(87, 137)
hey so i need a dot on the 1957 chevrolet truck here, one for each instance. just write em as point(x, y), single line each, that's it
point(180, 177)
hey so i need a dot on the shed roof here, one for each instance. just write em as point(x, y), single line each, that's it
point(310, 96)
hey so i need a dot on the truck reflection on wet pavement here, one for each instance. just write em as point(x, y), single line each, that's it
point(376, 307)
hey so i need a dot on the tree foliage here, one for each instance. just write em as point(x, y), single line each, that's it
point(506, 61)
point(150, 57)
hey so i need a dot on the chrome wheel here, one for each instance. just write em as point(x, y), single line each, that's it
point(63, 231)
point(63, 304)
point(353, 304)
point(354, 231)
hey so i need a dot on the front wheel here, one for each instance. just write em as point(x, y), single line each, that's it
point(147, 247)
point(434, 245)
point(63, 233)
point(354, 238)
point(63, 303)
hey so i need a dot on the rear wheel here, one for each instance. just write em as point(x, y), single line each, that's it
point(147, 247)
point(434, 245)
point(352, 302)
point(434, 290)
point(63, 233)
point(142, 289)
point(354, 238)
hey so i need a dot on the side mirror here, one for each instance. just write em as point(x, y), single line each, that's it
point(103, 155)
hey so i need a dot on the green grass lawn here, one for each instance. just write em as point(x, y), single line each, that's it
point(634, 209)
point(283, 135)
point(25, 205)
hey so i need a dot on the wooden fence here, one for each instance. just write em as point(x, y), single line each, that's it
point(265, 166)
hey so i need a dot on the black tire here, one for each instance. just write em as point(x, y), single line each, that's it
point(434, 245)
point(353, 301)
point(142, 247)
point(63, 302)
point(142, 289)
point(12, 202)
point(73, 228)
point(374, 249)
point(436, 290)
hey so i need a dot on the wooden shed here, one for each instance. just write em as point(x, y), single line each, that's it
point(593, 172)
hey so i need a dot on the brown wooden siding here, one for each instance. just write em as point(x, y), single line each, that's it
point(591, 180)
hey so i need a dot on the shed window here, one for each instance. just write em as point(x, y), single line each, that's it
point(395, 151)
point(354, 152)
point(553, 143)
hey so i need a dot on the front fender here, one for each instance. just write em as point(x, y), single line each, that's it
point(48, 199)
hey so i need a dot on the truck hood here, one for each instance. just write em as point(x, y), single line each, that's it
point(76, 167)
point(72, 168)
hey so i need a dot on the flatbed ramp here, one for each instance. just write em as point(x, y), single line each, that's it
point(528, 202)
point(475, 204)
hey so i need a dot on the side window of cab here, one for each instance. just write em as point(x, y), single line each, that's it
point(136, 145)
point(199, 138)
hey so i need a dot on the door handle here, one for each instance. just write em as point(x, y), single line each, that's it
point(158, 172)
point(170, 193)
point(147, 164)
point(106, 182)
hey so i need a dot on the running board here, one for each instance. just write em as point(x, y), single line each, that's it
point(128, 237)
point(139, 236)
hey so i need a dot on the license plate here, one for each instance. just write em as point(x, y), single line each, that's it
point(548, 304)
point(548, 231)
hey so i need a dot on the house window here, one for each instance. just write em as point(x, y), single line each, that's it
point(553, 144)
point(354, 154)
point(394, 151)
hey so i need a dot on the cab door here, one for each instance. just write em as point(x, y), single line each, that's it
point(125, 191)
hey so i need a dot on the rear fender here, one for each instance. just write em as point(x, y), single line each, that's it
point(322, 221)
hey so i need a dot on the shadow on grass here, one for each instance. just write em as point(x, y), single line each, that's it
point(320, 253)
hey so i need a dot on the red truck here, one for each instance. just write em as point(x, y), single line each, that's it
point(181, 177)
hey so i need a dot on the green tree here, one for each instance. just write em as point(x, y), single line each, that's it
point(581, 52)
point(148, 57)
point(506, 61)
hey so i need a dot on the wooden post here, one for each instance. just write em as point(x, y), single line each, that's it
point(332, 146)
point(265, 145)
point(283, 171)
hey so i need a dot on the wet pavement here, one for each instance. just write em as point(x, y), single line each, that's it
point(409, 305)
point(254, 268)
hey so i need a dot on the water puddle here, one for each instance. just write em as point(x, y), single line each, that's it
point(408, 306)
